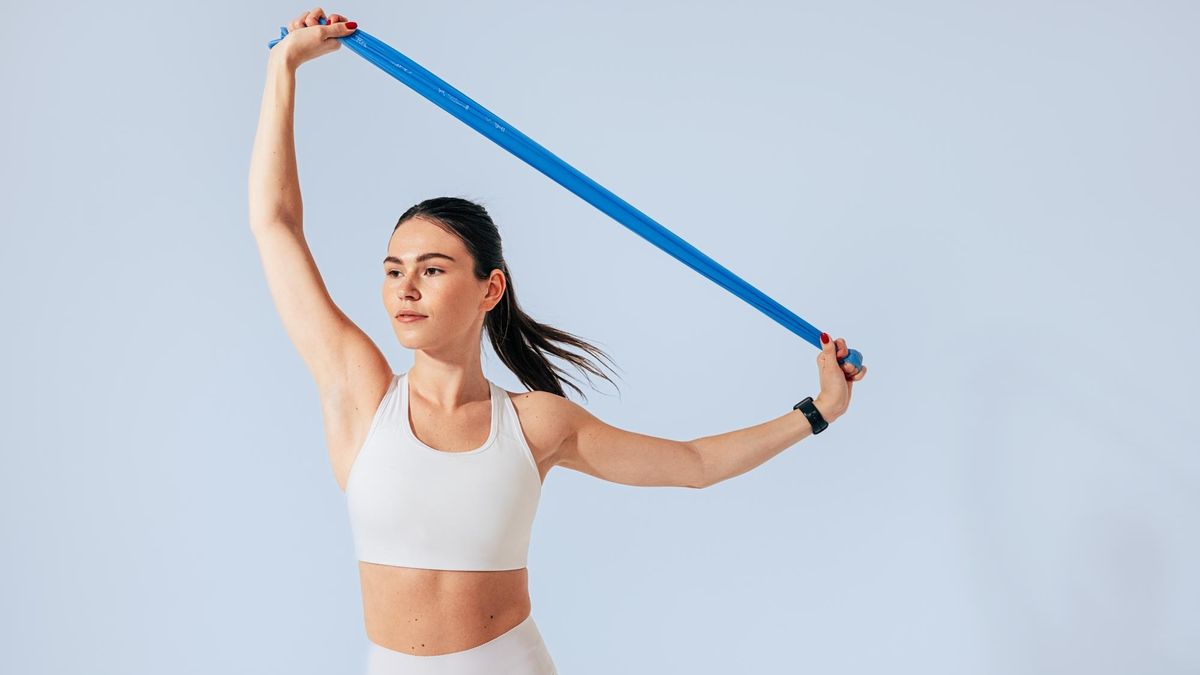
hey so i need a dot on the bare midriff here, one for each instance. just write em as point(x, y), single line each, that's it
point(429, 612)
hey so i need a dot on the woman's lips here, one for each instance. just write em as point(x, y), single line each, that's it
point(409, 318)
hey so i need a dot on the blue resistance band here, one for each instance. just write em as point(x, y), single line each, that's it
point(506, 136)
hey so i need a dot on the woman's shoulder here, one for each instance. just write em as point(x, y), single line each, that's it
point(545, 418)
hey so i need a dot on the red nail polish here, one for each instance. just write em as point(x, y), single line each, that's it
point(824, 338)
point(351, 25)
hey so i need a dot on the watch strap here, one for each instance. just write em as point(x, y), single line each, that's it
point(814, 416)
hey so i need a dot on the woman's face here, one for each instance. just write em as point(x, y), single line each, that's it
point(428, 270)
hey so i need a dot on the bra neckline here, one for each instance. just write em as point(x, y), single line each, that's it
point(493, 429)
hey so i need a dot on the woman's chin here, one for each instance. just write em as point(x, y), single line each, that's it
point(410, 341)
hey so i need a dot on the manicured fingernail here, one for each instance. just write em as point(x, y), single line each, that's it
point(824, 338)
point(351, 25)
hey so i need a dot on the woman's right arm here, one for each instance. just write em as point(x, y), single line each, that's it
point(343, 360)
point(274, 183)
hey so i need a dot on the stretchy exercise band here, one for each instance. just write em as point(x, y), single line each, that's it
point(506, 136)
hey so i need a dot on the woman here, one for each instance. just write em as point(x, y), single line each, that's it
point(442, 469)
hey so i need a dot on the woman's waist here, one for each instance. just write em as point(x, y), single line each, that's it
point(422, 611)
point(441, 595)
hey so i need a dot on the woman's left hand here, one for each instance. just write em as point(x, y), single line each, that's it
point(837, 381)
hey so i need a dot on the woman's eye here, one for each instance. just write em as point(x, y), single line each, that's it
point(428, 269)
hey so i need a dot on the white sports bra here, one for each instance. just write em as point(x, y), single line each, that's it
point(415, 506)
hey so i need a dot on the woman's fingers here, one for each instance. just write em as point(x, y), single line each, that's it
point(311, 19)
point(839, 347)
point(842, 351)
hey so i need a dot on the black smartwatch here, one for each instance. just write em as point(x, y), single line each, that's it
point(814, 416)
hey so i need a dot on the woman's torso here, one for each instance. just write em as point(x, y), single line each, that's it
point(432, 611)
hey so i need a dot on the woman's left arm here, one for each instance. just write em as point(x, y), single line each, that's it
point(617, 455)
point(591, 446)
point(735, 452)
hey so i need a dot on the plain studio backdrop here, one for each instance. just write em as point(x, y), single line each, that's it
point(996, 204)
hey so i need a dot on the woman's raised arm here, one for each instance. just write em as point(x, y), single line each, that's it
point(344, 361)
point(274, 183)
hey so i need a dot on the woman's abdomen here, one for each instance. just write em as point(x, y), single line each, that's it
point(429, 612)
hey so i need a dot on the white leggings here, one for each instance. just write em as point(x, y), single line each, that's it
point(519, 651)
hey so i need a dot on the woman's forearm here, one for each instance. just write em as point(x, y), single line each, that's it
point(274, 182)
point(733, 453)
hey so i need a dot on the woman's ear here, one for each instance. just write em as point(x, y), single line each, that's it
point(497, 287)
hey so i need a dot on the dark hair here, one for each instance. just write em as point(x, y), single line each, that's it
point(519, 341)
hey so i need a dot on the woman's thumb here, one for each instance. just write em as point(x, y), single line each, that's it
point(332, 33)
point(828, 355)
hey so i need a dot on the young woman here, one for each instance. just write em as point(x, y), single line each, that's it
point(443, 469)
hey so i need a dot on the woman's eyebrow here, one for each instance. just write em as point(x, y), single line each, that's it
point(421, 258)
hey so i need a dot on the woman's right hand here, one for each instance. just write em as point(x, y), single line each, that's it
point(307, 38)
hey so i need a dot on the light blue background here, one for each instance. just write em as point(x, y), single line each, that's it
point(996, 204)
